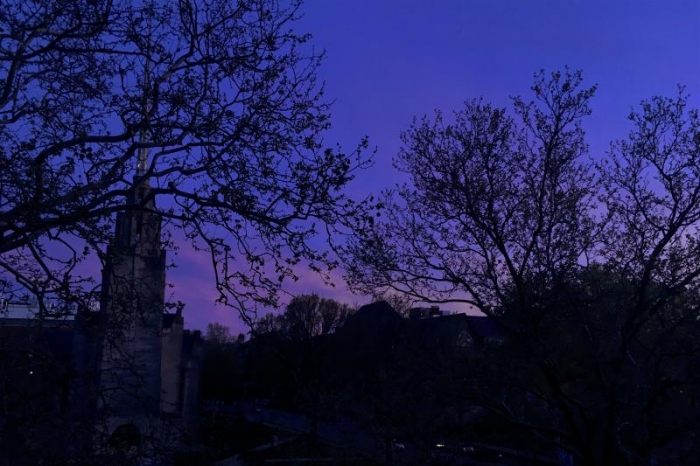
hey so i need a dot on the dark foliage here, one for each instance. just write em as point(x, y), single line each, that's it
point(593, 268)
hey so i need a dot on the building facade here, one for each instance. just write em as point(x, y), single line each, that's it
point(118, 383)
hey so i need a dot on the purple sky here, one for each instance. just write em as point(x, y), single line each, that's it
point(390, 60)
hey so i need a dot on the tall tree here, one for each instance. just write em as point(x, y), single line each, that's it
point(218, 334)
point(504, 212)
point(652, 192)
point(224, 98)
point(493, 201)
point(309, 320)
point(306, 316)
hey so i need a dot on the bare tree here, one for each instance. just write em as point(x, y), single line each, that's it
point(652, 191)
point(593, 269)
point(224, 98)
point(309, 321)
point(493, 202)
point(218, 334)
point(294, 354)
point(268, 324)
point(308, 316)
point(206, 115)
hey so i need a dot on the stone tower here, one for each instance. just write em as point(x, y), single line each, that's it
point(133, 284)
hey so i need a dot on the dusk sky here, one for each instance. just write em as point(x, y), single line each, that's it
point(390, 60)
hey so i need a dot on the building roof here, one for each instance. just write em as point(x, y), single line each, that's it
point(170, 319)
point(484, 327)
point(377, 311)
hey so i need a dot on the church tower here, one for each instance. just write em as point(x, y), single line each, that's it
point(132, 301)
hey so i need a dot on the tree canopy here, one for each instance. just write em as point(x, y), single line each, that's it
point(224, 98)
point(306, 316)
point(495, 199)
point(591, 263)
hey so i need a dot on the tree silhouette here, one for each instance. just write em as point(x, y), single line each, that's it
point(206, 115)
point(593, 268)
point(308, 316)
point(224, 98)
point(218, 334)
point(493, 202)
point(305, 317)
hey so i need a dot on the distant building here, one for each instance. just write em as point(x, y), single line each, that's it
point(427, 312)
point(482, 330)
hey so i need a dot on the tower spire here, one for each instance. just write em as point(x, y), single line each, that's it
point(142, 163)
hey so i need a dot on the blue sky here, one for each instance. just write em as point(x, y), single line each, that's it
point(390, 60)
